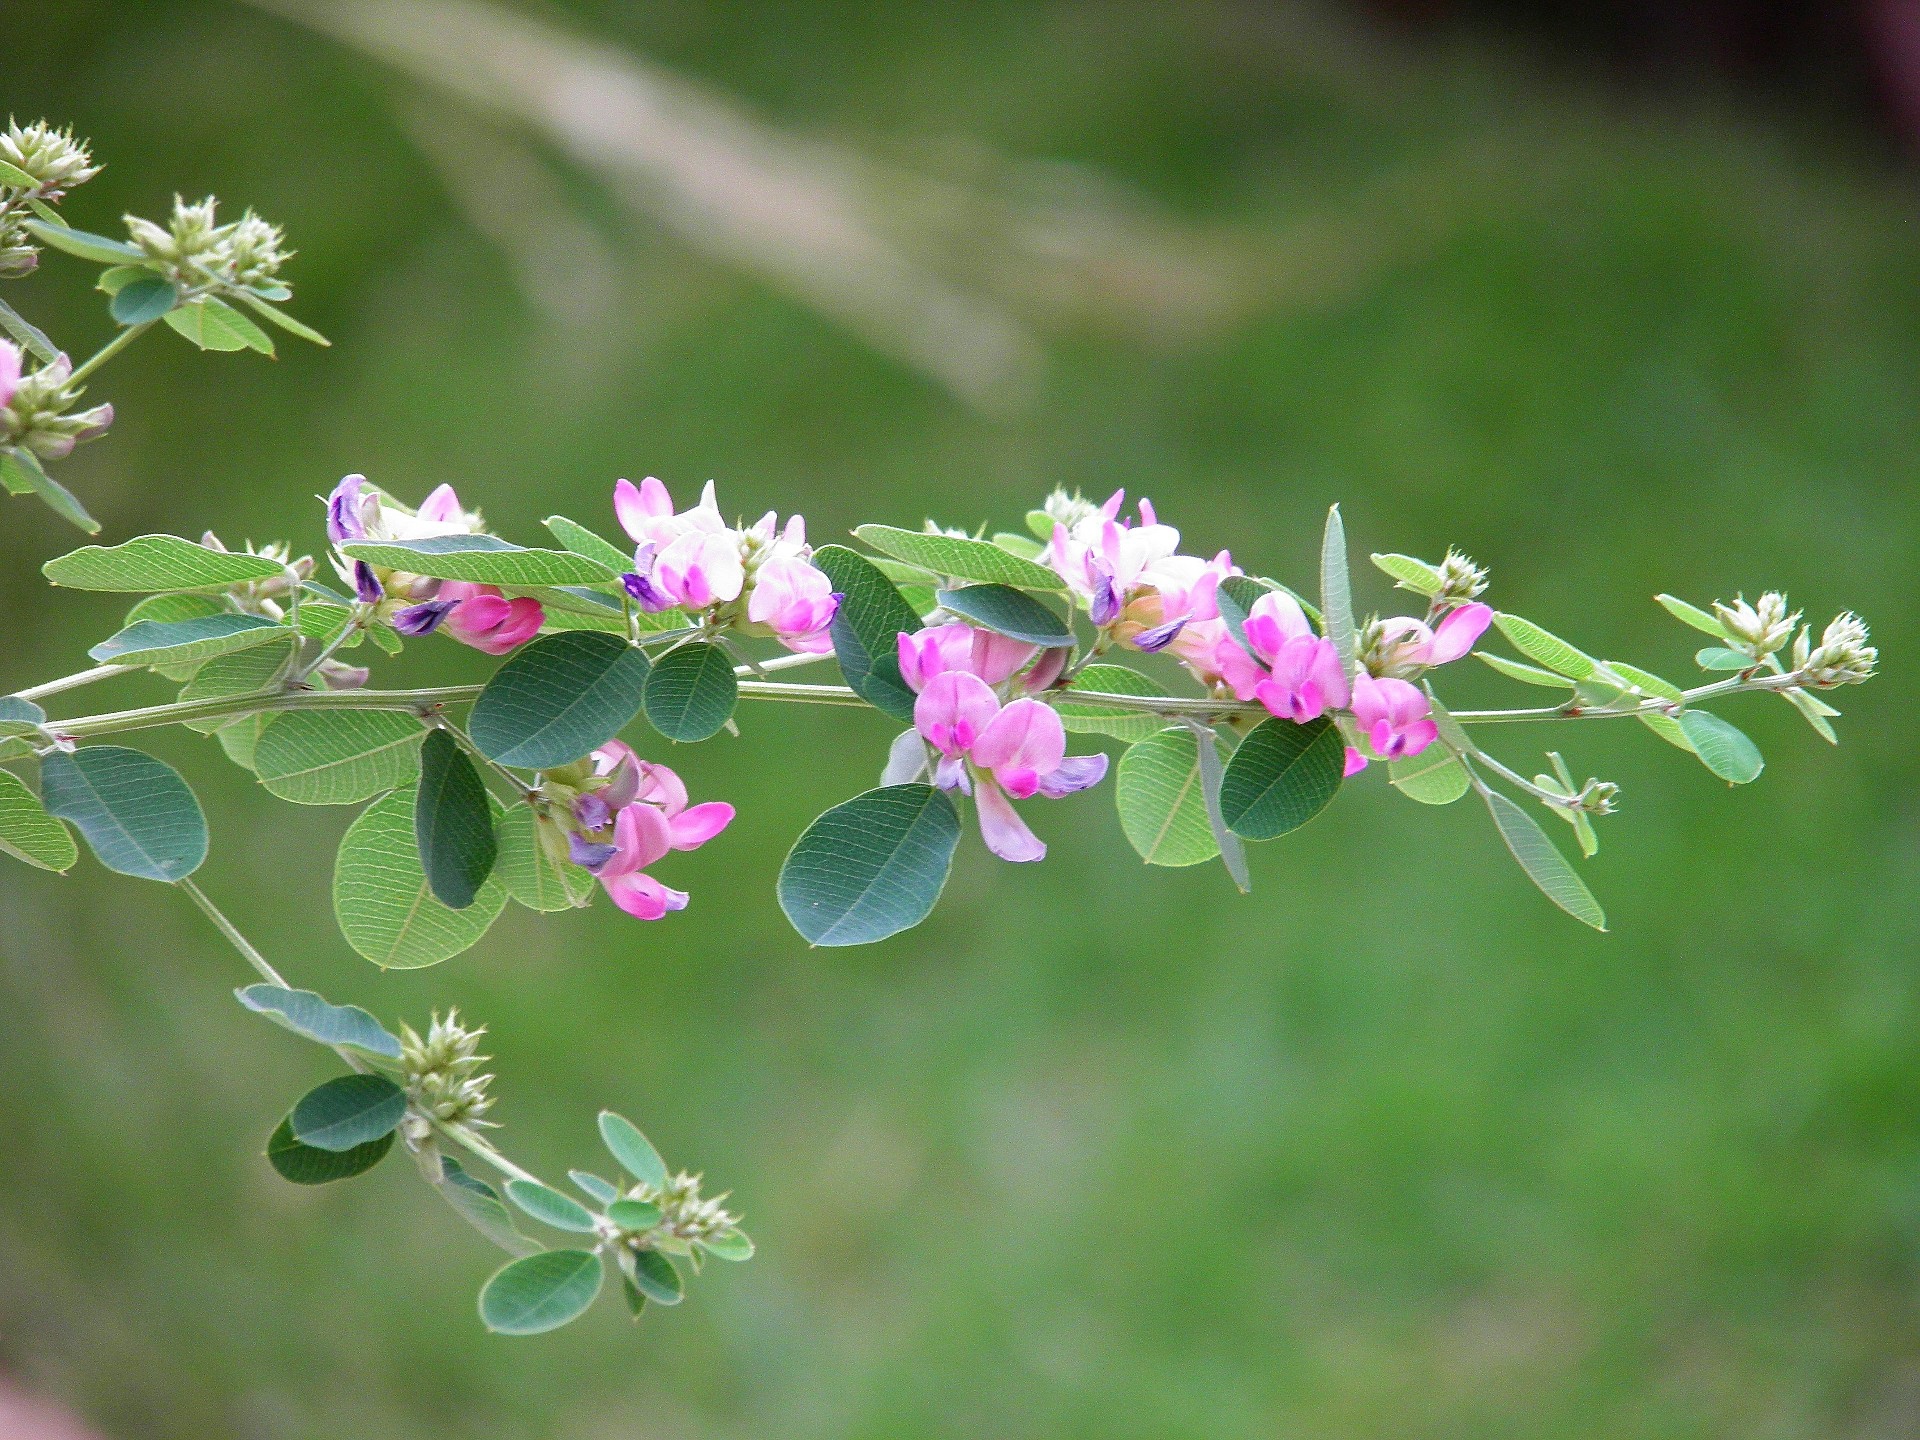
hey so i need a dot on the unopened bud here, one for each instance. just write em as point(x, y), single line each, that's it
point(1460, 580)
point(1761, 629)
point(54, 158)
point(1069, 510)
point(438, 1071)
point(1843, 656)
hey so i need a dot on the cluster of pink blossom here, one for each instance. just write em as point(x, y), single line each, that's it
point(628, 814)
point(476, 615)
point(995, 749)
point(694, 561)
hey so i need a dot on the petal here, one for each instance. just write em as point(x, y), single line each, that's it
point(1283, 611)
point(642, 896)
point(953, 711)
point(1004, 831)
point(1027, 735)
point(1073, 774)
point(663, 787)
point(995, 658)
point(442, 506)
point(1458, 632)
point(1417, 736)
point(1356, 762)
point(1369, 703)
point(691, 829)
point(641, 836)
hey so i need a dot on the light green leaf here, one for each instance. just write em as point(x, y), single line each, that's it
point(1525, 674)
point(732, 1245)
point(1009, 612)
point(85, 245)
point(14, 176)
point(1162, 804)
point(959, 559)
point(337, 757)
point(118, 277)
point(633, 1150)
point(871, 866)
point(1336, 590)
point(135, 811)
point(541, 1292)
point(533, 866)
point(481, 559)
point(381, 897)
point(286, 322)
point(1282, 776)
point(866, 628)
point(480, 1205)
point(1088, 719)
point(582, 541)
point(1702, 620)
point(1546, 648)
point(691, 691)
point(305, 1013)
point(1433, 777)
point(1544, 864)
point(28, 334)
point(1410, 574)
point(143, 299)
point(1233, 854)
point(1021, 545)
point(453, 823)
point(215, 325)
point(1647, 682)
point(150, 563)
point(21, 473)
point(242, 673)
point(559, 698)
point(20, 717)
point(550, 1207)
point(634, 1214)
point(1722, 748)
point(1718, 657)
point(310, 1165)
point(1815, 711)
point(180, 642)
point(1668, 729)
point(28, 832)
point(590, 1184)
point(348, 1111)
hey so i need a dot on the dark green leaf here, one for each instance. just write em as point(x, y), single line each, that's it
point(143, 299)
point(480, 1205)
point(177, 642)
point(558, 698)
point(135, 811)
point(453, 823)
point(1282, 776)
point(1009, 612)
point(691, 691)
point(308, 1165)
point(540, 1292)
point(866, 629)
point(657, 1279)
point(348, 1111)
point(870, 867)
point(85, 245)
point(1232, 853)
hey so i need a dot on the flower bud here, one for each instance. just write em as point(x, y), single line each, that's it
point(35, 416)
point(1460, 580)
point(1761, 629)
point(1843, 656)
point(1069, 510)
point(17, 258)
point(56, 161)
point(684, 1214)
point(438, 1074)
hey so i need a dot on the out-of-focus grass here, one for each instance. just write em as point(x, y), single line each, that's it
point(1389, 1148)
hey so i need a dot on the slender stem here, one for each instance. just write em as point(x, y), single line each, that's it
point(1734, 686)
point(803, 694)
point(234, 938)
point(355, 621)
point(72, 682)
point(462, 1136)
point(107, 351)
point(261, 700)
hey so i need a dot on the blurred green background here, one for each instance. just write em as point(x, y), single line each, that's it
point(1389, 1148)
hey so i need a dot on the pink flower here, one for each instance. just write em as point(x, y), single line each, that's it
point(1130, 577)
point(646, 513)
point(959, 646)
point(1292, 671)
point(9, 371)
point(999, 753)
point(1406, 646)
point(632, 822)
point(1394, 717)
point(700, 569)
point(794, 599)
point(482, 617)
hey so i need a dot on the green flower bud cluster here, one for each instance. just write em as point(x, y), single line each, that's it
point(439, 1075)
point(1758, 630)
point(38, 165)
point(39, 416)
point(1843, 656)
point(1069, 510)
point(686, 1218)
point(193, 248)
point(1460, 580)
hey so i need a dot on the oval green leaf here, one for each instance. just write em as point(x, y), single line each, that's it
point(28, 832)
point(134, 811)
point(348, 1111)
point(871, 866)
point(309, 1165)
point(305, 1013)
point(180, 642)
point(558, 698)
point(1546, 648)
point(866, 629)
point(1282, 776)
point(691, 691)
point(1544, 864)
point(143, 299)
point(1336, 589)
point(215, 325)
point(480, 1205)
point(958, 558)
point(1162, 802)
point(541, 1292)
point(730, 1245)
point(550, 1207)
point(633, 1150)
point(481, 559)
point(533, 864)
point(657, 1278)
point(453, 823)
point(382, 900)
point(634, 1214)
point(337, 757)
point(1433, 777)
point(1009, 612)
point(152, 563)
point(1722, 748)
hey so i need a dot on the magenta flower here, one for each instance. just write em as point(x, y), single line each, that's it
point(794, 599)
point(1135, 585)
point(1404, 646)
point(700, 569)
point(9, 371)
point(632, 822)
point(994, 659)
point(1394, 716)
point(998, 754)
point(482, 617)
point(1292, 671)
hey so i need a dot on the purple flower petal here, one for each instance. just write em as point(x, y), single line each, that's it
point(365, 584)
point(588, 854)
point(424, 618)
point(1161, 636)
